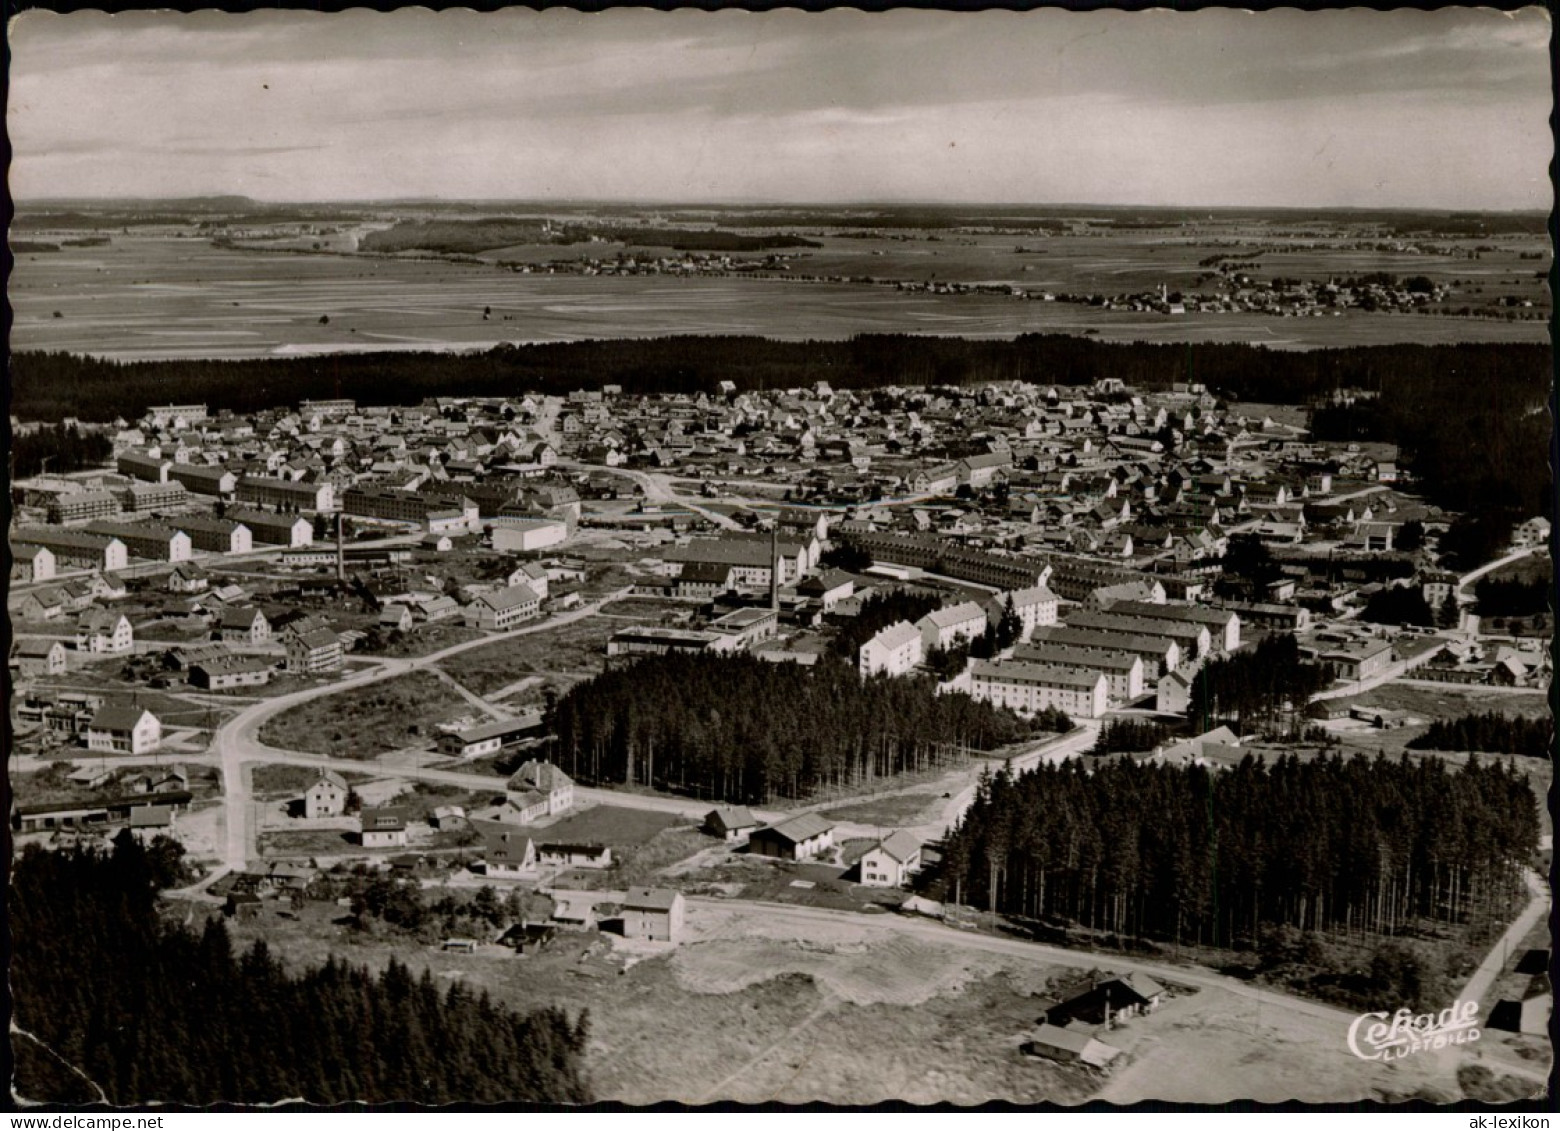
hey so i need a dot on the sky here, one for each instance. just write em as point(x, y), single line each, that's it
point(1349, 108)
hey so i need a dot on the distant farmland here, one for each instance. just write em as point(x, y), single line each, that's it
point(146, 297)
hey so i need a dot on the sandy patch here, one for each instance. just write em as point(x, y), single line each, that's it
point(867, 971)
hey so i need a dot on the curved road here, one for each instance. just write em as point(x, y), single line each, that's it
point(237, 740)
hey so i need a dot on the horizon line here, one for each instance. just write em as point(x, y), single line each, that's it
point(750, 203)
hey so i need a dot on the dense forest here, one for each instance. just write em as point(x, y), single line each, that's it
point(59, 448)
point(1129, 736)
point(1490, 733)
point(1263, 690)
point(1512, 596)
point(1363, 847)
point(879, 610)
point(115, 1003)
point(745, 730)
point(1399, 604)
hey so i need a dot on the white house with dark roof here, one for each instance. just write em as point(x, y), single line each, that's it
point(40, 657)
point(1035, 607)
point(732, 823)
point(124, 730)
point(383, 828)
point(507, 854)
point(327, 797)
point(245, 626)
point(540, 783)
point(312, 651)
point(502, 610)
point(103, 632)
point(32, 563)
point(803, 837)
point(891, 861)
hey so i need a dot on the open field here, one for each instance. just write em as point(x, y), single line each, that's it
point(899, 809)
point(151, 296)
point(365, 722)
point(290, 781)
point(1438, 702)
point(754, 1009)
point(566, 654)
point(606, 824)
point(920, 1023)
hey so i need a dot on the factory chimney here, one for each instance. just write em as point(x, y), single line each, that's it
point(774, 566)
point(341, 566)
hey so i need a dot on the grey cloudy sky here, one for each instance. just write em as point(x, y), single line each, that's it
point(1435, 109)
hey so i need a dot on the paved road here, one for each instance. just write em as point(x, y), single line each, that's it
point(1468, 579)
point(658, 489)
point(1478, 987)
point(238, 744)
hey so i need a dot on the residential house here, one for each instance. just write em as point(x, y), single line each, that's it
point(32, 563)
point(653, 913)
point(541, 779)
point(102, 632)
point(383, 828)
point(506, 853)
point(504, 609)
point(124, 730)
point(40, 657)
point(187, 577)
point(1028, 688)
point(396, 618)
point(327, 797)
point(732, 823)
point(891, 861)
point(313, 651)
point(244, 626)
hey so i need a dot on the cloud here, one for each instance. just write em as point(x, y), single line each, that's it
point(1050, 104)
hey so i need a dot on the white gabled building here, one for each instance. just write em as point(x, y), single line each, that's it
point(892, 861)
point(943, 628)
point(1030, 688)
point(327, 797)
point(896, 650)
point(1035, 607)
point(502, 610)
point(100, 631)
point(124, 730)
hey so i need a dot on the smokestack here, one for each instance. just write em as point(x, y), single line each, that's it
point(341, 565)
point(774, 566)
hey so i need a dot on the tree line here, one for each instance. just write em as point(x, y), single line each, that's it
point(877, 611)
point(123, 1006)
point(745, 730)
point(1263, 689)
point(1503, 379)
point(1491, 733)
point(1512, 596)
point(60, 448)
point(1362, 846)
point(1129, 736)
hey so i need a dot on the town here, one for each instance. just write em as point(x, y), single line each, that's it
point(329, 642)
